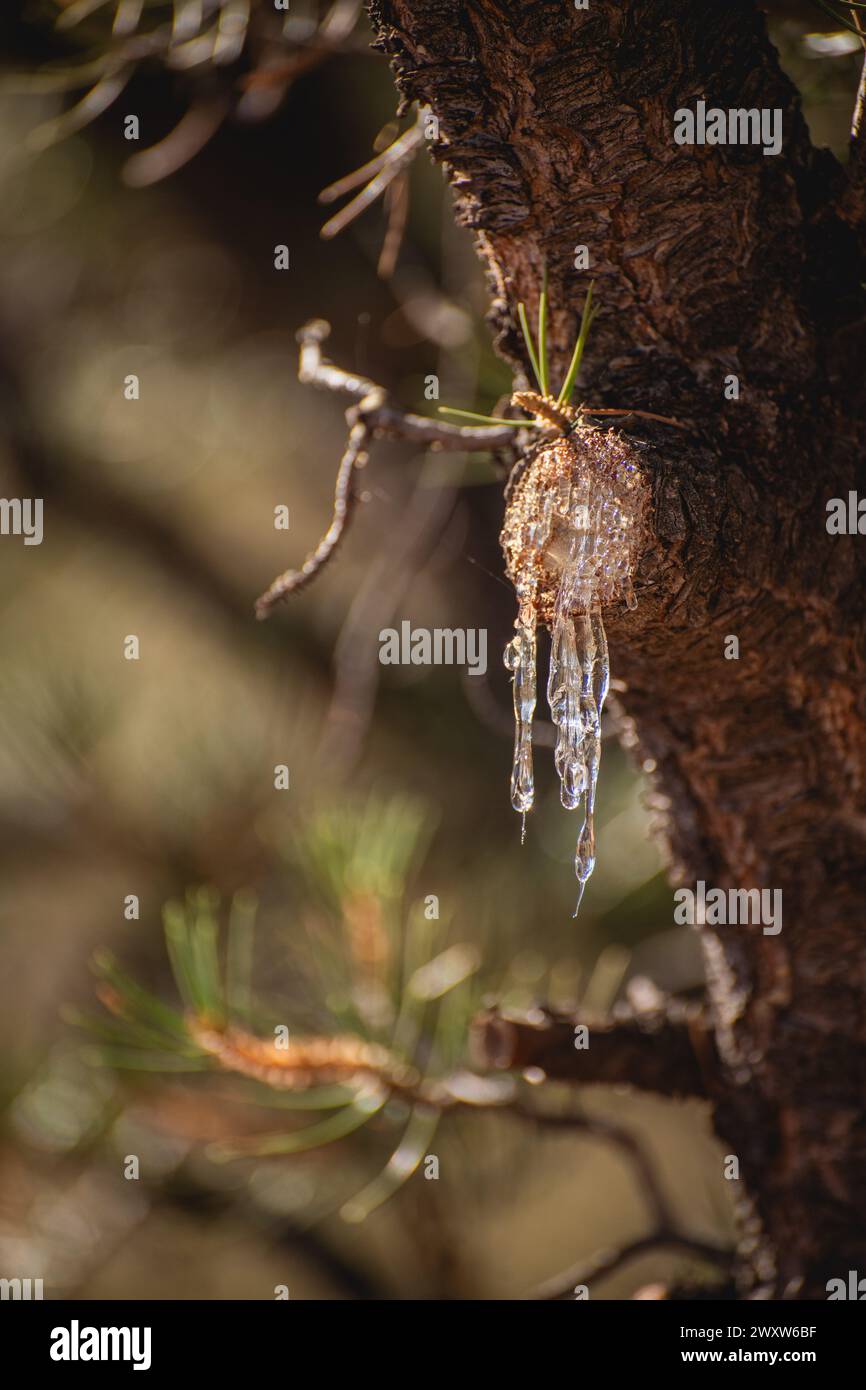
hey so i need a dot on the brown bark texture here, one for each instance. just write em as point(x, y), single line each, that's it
point(555, 131)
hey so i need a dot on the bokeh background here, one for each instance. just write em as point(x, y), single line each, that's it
point(156, 776)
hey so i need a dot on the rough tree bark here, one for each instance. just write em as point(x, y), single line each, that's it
point(556, 129)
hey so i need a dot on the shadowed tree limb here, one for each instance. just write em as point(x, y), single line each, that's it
point(607, 1262)
point(669, 1051)
point(665, 1231)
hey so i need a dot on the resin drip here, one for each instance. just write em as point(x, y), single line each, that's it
point(571, 534)
point(520, 660)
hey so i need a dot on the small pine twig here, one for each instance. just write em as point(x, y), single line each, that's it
point(354, 456)
point(373, 416)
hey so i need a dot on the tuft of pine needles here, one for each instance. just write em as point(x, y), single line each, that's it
point(392, 997)
point(539, 360)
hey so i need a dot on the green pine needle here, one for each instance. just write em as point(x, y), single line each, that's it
point(564, 397)
point(138, 1003)
point(337, 1126)
point(404, 1161)
point(315, 1098)
point(129, 1059)
point(485, 419)
point(347, 856)
point(239, 957)
point(180, 955)
point(128, 1032)
point(542, 335)
point(205, 961)
point(530, 346)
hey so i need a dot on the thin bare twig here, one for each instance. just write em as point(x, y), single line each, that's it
point(195, 128)
point(355, 456)
point(664, 1232)
point(607, 1262)
point(665, 1048)
point(373, 416)
point(383, 416)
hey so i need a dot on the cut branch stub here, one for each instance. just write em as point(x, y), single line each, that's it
point(669, 1051)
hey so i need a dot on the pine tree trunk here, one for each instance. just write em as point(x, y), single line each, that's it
point(555, 126)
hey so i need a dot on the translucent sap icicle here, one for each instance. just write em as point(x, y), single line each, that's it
point(520, 660)
point(577, 686)
point(564, 679)
point(596, 678)
point(602, 661)
point(563, 693)
point(584, 858)
point(571, 537)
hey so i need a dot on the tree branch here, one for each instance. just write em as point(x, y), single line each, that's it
point(607, 1262)
point(375, 416)
point(669, 1050)
point(664, 1230)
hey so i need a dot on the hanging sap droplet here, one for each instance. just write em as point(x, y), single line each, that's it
point(520, 659)
point(577, 686)
point(584, 858)
point(580, 889)
point(563, 688)
point(573, 782)
point(522, 783)
point(511, 655)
